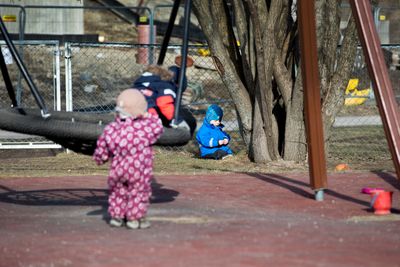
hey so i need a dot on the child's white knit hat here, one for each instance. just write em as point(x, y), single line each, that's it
point(131, 102)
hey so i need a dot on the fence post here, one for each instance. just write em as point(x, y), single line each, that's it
point(68, 77)
point(56, 83)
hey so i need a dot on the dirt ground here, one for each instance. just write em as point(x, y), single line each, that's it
point(232, 219)
point(53, 212)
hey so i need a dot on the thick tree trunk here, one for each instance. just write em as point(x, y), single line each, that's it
point(295, 146)
point(258, 143)
point(334, 97)
point(261, 74)
point(264, 53)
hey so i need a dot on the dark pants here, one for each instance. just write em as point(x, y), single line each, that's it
point(218, 154)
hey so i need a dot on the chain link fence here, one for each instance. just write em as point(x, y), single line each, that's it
point(87, 77)
point(94, 74)
point(42, 60)
point(358, 136)
point(98, 72)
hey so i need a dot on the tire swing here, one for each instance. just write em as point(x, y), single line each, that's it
point(74, 130)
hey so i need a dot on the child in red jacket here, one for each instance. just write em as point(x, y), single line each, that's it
point(127, 142)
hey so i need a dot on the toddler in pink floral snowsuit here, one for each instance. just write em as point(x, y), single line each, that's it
point(127, 142)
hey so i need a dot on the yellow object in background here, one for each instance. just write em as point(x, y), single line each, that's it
point(353, 83)
point(353, 100)
point(204, 52)
point(352, 92)
point(9, 18)
point(143, 19)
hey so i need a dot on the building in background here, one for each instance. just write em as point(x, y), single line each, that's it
point(44, 20)
point(387, 19)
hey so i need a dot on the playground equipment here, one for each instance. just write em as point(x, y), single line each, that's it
point(79, 131)
point(317, 166)
point(386, 101)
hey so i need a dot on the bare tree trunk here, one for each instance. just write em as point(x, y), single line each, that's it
point(257, 151)
point(334, 97)
point(295, 147)
point(263, 96)
point(261, 74)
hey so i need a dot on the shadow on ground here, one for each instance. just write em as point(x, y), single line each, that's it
point(74, 196)
point(300, 187)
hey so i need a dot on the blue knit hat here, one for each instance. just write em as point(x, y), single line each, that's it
point(214, 112)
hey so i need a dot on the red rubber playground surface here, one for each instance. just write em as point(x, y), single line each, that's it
point(204, 220)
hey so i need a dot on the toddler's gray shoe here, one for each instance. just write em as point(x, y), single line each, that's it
point(144, 223)
point(227, 156)
point(116, 222)
point(132, 224)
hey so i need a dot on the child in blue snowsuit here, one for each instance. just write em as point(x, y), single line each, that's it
point(213, 141)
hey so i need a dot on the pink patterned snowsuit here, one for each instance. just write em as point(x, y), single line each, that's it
point(128, 143)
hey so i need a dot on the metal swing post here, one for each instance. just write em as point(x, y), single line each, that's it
point(7, 81)
point(182, 72)
point(184, 51)
point(24, 71)
point(385, 99)
point(168, 33)
point(312, 98)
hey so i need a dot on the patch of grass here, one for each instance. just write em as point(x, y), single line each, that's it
point(173, 162)
point(62, 164)
point(369, 108)
point(363, 148)
point(166, 162)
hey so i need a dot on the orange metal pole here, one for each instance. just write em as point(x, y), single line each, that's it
point(144, 32)
point(312, 97)
point(388, 109)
